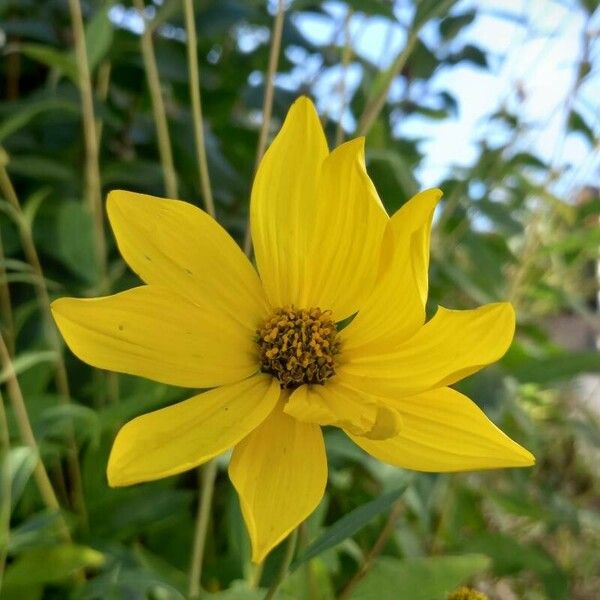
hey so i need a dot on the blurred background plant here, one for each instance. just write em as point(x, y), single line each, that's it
point(496, 102)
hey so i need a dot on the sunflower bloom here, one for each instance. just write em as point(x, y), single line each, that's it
point(270, 348)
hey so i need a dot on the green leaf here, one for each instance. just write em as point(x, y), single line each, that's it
point(22, 461)
point(349, 524)
point(430, 9)
point(471, 54)
point(98, 37)
point(239, 591)
point(26, 360)
point(428, 578)
point(36, 531)
point(74, 240)
point(50, 565)
point(561, 366)
point(51, 57)
point(578, 124)
point(452, 25)
point(21, 115)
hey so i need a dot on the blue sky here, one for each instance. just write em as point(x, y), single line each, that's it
point(534, 47)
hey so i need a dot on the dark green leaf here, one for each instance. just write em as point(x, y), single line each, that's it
point(349, 524)
point(430, 578)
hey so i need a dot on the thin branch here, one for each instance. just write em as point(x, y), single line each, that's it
point(26, 432)
point(376, 550)
point(346, 57)
point(158, 106)
point(7, 322)
point(94, 189)
point(285, 564)
point(5, 491)
point(61, 377)
point(208, 474)
point(199, 139)
point(376, 104)
point(267, 102)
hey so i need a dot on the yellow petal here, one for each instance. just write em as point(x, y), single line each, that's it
point(283, 203)
point(176, 245)
point(280, 473)
point(396, 307)
point(387, 424)
point(344, 243)
point(337, 404)
point(454, 344)
point(442, 430)
point(177, 438)
point(151, 332)
point(333, 404)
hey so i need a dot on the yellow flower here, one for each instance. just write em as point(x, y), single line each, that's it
point(269, 347)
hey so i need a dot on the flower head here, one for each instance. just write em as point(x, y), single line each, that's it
point(270, 346)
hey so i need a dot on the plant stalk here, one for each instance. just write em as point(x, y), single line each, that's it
point(267, 108)
point(375, 551)
point(5, 491)
point(158, 105)
point(199, 139)
point(285, 564)
point(208, 476)
point(6, 323)
point(376, 104)
point(92, 168)
point(346, 56)
point(26, 432)
point(61, 377)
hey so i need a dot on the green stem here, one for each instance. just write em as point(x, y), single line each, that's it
point(158, 106)
point(267, 103)
point(209, 474)
point(25, 430)
point(376, 104)
point(61, 377)
point(194, 71)
point(92, 168)
point(7, 323)
point(285, 564)
point(375, 551)
point(346, 56)
point(5, 496)
point(256, 574)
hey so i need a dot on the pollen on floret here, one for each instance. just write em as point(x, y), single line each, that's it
point(298, 346)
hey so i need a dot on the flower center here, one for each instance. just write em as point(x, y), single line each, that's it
point(298, 345)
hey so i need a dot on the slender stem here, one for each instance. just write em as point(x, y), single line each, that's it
point(208, 474)
point(376, 550)
point(346, 56)
point(158, 106)
point(285, 564)
point(7, 322)
point(26, 432)
point(92, 168)
point(309, 575)
point(5, 491)
point(376, 104)
point(61, 377)
point(256, 574)
point(267, 102)
point(194, 72)
point(102, 88)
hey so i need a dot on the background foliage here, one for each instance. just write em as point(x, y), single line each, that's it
point(513, 225)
